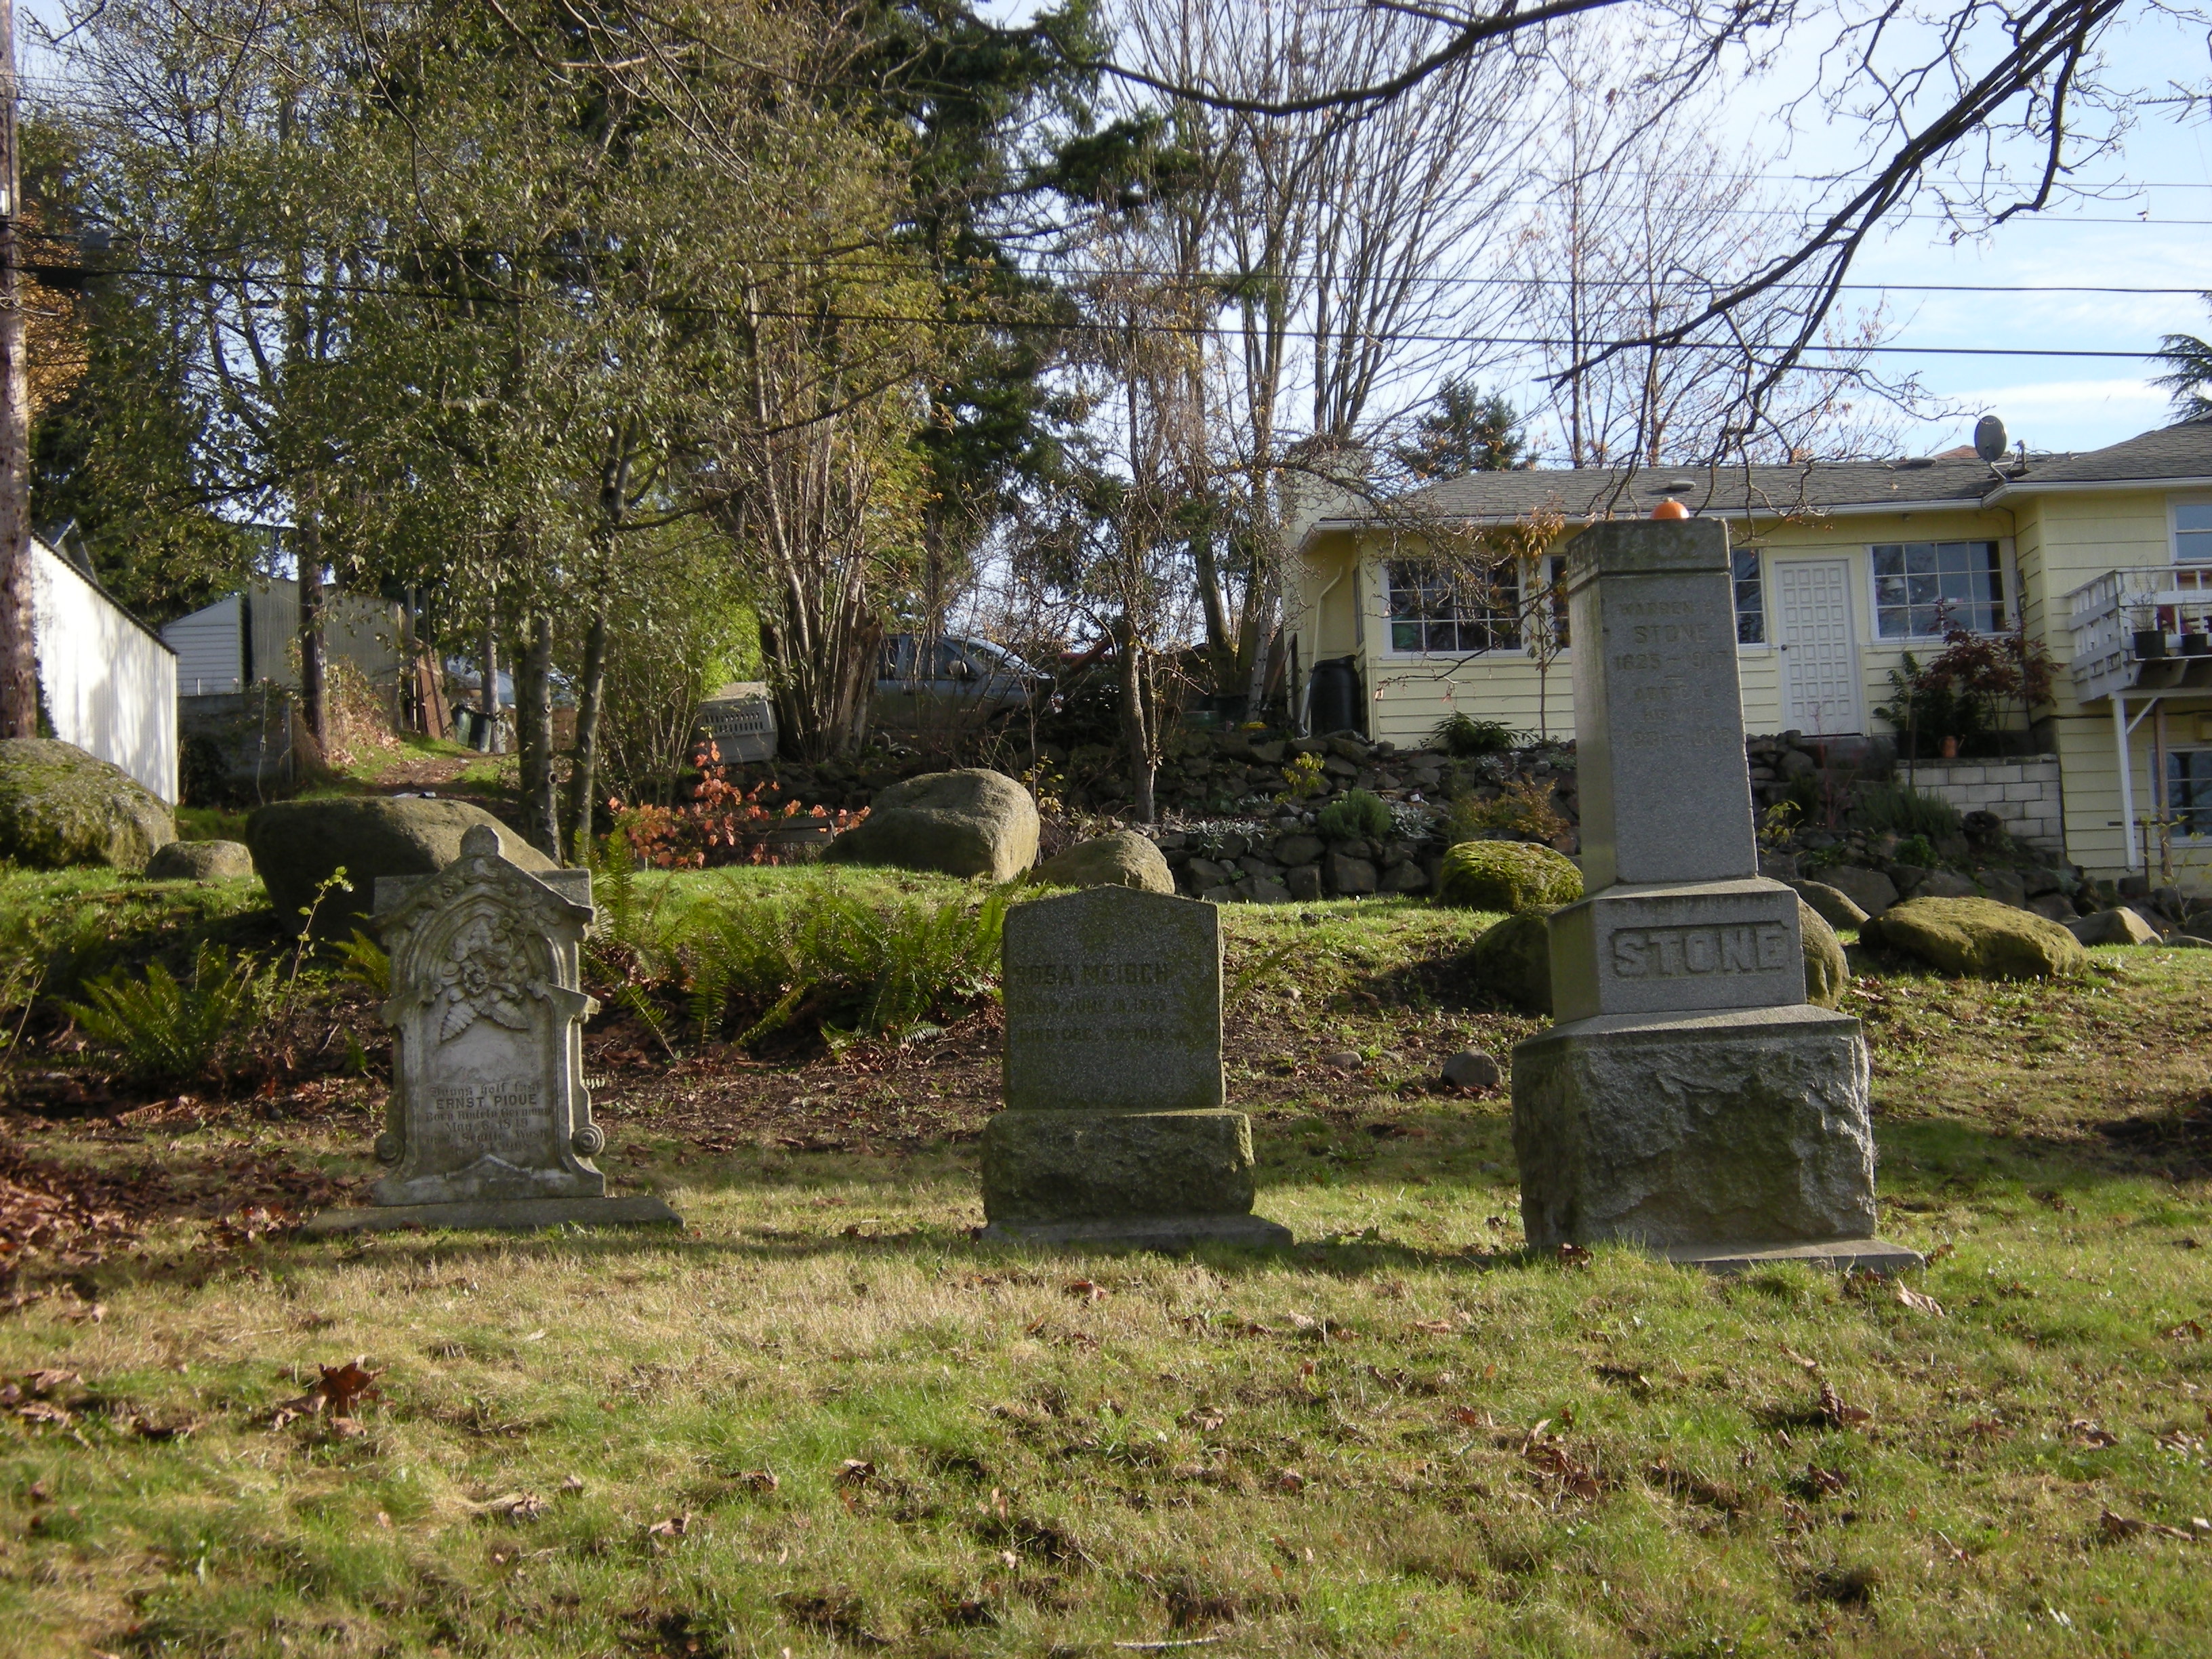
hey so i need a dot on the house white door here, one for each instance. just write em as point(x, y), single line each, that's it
point(1820, 682)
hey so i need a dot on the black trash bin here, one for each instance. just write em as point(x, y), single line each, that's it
point(1334, 704)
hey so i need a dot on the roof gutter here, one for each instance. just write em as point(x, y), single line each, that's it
point(1842, 510)
point(2028, 486)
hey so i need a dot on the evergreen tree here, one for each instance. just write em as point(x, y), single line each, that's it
point(1465, 432)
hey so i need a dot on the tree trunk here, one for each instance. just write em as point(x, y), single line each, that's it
point(533, 724)
point(583, 780)
point(1220, 640)
point(315, 712)
point(488, 693)
point(1136, 732)
point(18, 667)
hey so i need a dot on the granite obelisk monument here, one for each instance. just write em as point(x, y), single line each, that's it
point(1690, 1100)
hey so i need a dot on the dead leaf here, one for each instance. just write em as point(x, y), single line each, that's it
point(253, 1224)
point(1552, 1460)
point(2124, 1526)
point(1810, 1367)
point(759, 1479)
point(1083, 1291)
point(1573, 1255)
point(1289, 1480)
point(675, 1526)
point(855, 1471)
point(2091, 1433)
point(1839, 1415)
point(2188, 1331)
point(147, 1428)
point(38, 1411)
point(44, 1382)
point(513, 1505)
point(1919, 1301)
point(1434, 1326)
point(1468, 1417)
point(339, 1389)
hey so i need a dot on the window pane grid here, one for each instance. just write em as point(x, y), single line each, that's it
point(1430, 613)
point(1923, 588)
point(1750, 600)
point(2189, 791)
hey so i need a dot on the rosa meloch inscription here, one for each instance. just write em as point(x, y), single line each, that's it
point(1689, 1100)
point(1114, 1130)
point(489, 1123)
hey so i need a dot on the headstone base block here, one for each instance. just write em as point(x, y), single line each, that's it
point(1865, 1256)
point(1693, 1131)
point(1175, 1233)
point(524, 1214)
point(1049, 1168)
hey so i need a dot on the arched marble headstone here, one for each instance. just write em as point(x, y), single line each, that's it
point(489, 1123)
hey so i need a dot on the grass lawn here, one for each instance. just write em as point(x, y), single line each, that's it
point(822, 1421)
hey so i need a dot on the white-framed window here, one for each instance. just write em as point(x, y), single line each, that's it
point(1920, 589)
point(1433, 611)
point(1750, 597)
point(2188, 793)
point(2193, 531)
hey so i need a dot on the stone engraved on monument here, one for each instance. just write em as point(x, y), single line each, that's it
point(1114, 1131)
point(489, 1123)
point(1689, 1101)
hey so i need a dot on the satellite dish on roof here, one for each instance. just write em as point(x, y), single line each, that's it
point(1989, 438)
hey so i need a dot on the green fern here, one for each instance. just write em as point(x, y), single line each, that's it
point(167, 1030)
point(366, 964)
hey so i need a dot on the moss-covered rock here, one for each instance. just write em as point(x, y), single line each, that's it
point(1123, 859)
point(201, 860)
point(298, 845)
point(1827, 968)
point(60, 806)
point(968, 823)
point(1978, 938)
point(1515, 877)
point(1512, 961)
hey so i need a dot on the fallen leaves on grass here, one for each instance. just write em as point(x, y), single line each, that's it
point(2091, 1433)
point(1918, 1302)
point(1573, 1255)
point(855, 1472)
point(1837, 1413)
point(2188, 1331)
point(1288, 1481)
point(517, 1506)
point(1555, 1466)
point(1083, 1289)
point(154, 1428)
point(2126, 1525)
point(760, 1480)
point(1683, 1483)
point(253, 1224)
point(28, 1397)
point(336, 1393)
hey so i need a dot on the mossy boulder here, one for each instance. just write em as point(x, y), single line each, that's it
point(1978, 938)
point(1123, 859)
point(201, 860)
point(298, 845)
point(60, 806)
point(968, 823)
point(1827, 968)
point(1516, 876)
point(1512, 961)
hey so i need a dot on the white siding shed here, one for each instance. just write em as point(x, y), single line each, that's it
point(109, 681)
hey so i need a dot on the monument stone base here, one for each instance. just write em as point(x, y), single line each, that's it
point(526, 1214)
point(1162, 1178)
point(1721, 1138)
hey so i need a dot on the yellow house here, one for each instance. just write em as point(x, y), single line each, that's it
point(1840, 569)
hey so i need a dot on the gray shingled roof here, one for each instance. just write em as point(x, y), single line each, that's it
point(2173, 452)
point(1580, 493)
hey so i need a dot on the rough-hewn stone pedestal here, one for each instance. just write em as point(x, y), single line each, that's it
point(1148, 1178)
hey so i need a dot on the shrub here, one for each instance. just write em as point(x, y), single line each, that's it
point(724, 824)
point(1466, 737)
point(818, 957)
point(1303, 776)
point(167, 1030)
point(1523, 807)
point(1907, 812)
point(1512, 876)
point(1359, 815)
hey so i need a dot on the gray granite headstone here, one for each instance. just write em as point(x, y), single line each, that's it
point(1690, 1100)
point(489, 1123)
point(1114, 1130)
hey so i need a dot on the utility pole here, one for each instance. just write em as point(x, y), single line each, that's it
point(19, 670)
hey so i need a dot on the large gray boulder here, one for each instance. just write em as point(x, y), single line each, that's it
point(1123, 859)
point(298, 845)
point(1827, 970)
point(969, 823)
point(60, 806)
point(1512, 961)
point(1870, 889)
point(1831, 904)
point(2118, 926)
point(201, 860)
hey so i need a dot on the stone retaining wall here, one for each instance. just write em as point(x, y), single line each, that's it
point(2024, 793)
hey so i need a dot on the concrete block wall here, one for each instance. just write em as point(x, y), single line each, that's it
point(2025, 794)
